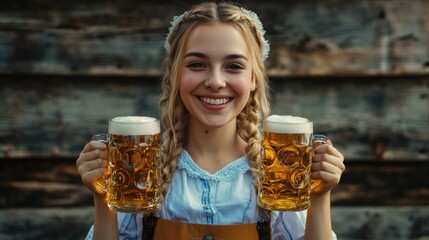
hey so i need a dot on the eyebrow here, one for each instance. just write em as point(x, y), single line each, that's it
point(202, 55)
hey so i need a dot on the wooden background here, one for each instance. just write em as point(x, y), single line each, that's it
point(359, 69)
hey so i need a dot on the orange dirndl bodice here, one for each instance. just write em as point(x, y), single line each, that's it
point(162, 229)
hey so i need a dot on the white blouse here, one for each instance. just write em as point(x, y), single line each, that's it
point(225, 197)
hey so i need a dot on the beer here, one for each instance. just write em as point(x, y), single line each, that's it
point(132, 178)
point(287, 155)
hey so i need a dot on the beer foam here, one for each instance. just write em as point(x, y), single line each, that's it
point(287, 124)
point(134, 125)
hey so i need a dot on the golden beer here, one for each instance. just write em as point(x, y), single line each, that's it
point(285, 170)
point(133, 173)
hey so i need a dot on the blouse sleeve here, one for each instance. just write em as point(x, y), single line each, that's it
point(127, 226)
point(290, 225)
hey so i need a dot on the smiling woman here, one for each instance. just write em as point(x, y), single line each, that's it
point(359, 67)
point(215, 95)
point(216, 76)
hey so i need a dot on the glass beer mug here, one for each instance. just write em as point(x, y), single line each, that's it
point(131, 181)
point(285, 183)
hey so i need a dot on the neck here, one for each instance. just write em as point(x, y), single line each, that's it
point(213, 148)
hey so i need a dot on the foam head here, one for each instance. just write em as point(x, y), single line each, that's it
point(134, 125)
point(287, 124)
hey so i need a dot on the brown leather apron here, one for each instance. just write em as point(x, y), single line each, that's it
point(162, 229)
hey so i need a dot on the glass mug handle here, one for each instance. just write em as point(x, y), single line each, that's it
point(103, 181)
point(316, 141)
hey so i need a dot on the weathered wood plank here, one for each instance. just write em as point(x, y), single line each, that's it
point(370, 223)
point(349, 38)
point(55, 116)
point(374, 199)
point(33, 183)
point(48, 223)
point(308, 37)
point(366, 118)
point(382, 183)
point(373, 118)
point(27, 183)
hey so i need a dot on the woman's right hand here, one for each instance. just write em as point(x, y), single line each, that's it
point(92, 164)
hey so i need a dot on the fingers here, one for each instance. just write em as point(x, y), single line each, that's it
point(329, 180)
point(92, 162)
point(92, 145)
point(89, 177)
point(326, 153)
point(90, 166)
point(328, 166)
point(92, 150)
point(324, 166)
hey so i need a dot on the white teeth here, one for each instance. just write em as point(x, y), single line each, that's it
point(213, 101)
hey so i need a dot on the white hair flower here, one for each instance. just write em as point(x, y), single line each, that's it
point(174, 22)
point(265, 45)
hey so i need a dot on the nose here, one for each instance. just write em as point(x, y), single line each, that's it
point(215, 80)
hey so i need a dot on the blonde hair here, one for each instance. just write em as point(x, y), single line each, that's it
point(174, 116)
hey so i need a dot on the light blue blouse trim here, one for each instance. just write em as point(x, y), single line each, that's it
point(206, 202)
point(229, 172)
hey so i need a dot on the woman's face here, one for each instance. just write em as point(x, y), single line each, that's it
point(216, 75)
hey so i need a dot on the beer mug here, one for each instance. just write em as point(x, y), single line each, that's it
point(285, 184)
point(131, 180)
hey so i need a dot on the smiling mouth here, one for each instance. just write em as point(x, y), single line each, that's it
point(215, 101)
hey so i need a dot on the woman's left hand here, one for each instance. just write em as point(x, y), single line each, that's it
point(327, 167)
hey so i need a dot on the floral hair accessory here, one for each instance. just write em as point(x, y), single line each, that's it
point(265, 45)
point(260, 27)
point(174, 22)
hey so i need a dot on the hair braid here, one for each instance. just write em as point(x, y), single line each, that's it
point(175, 123)
point(174, 116)
point(248, 124)
point(174, 120)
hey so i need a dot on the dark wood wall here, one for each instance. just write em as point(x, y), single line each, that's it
point(327, 37)
point(359, 69)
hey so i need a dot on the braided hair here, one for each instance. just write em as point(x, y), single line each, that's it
point(174, 116)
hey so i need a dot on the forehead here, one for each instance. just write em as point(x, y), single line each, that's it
point(217, 37)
